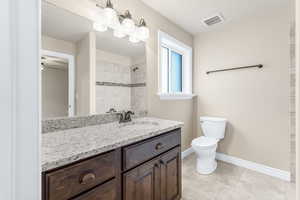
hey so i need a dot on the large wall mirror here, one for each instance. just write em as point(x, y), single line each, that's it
point(88, 72)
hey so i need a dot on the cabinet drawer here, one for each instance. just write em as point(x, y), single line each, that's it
point(107, 191)
point(143, 151)
point(67, 182)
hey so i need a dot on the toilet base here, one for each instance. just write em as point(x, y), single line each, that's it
point(206, 167)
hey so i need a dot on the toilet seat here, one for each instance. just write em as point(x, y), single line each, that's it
point(205, 142)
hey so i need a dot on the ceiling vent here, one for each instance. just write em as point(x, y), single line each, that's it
point(213, 20)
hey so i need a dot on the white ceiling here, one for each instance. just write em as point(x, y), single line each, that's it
point(188, 14)
point(61, 24)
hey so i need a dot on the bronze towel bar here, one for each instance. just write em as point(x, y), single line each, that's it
point(229, 69)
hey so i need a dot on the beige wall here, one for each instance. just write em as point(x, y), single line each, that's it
point(174, 110)
point(113, 58)
point(54, 92)
point(85, 75)
point(255, 101)
point(52, 44)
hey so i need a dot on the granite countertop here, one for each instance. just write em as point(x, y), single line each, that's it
point(64, 147)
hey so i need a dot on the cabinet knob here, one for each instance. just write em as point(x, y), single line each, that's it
point(87, 178)
point(159, 146)
point(162, 162)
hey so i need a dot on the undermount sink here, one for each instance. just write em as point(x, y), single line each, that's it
point(139, 124)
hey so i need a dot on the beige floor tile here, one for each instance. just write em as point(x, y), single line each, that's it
point(230, 182)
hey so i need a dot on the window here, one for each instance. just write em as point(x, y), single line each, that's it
point(175, 68)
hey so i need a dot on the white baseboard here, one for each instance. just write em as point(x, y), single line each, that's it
point(187, 152)
point(278, 173)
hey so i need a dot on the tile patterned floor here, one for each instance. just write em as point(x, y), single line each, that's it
point(230, 182)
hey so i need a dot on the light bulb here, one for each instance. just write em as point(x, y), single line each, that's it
point(119, 33)
point(143, 33)
point(134, 36)
point(111, 17)
point(133, 39)
point(99, 27)
point(128, 26)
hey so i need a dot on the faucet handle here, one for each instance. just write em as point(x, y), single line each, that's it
point(130, 112)
point(128, 115)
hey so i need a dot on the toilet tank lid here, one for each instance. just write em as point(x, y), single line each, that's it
point(214, 119)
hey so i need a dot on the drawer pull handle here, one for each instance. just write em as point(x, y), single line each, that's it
point(159, 146)
point(87, 178)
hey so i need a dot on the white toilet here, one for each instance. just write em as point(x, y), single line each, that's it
point(205, 147)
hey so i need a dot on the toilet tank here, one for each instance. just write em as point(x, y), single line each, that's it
point(213, 127)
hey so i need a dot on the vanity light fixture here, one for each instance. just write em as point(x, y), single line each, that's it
point(122, 24)
point(119, 33)
point(143, 30)
point(100, 27)
point(134, 38)
point(110, 15)
point(127, 24)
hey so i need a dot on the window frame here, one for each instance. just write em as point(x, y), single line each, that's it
point(167, 41)
point(170, 50)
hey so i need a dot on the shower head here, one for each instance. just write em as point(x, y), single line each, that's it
point(135, 69)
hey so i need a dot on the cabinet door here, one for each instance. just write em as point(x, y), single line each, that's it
point(107, 191)
point(170, 166)
point(143, 182)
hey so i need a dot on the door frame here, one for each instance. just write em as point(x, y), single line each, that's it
point(20, 119)
point(71, 77)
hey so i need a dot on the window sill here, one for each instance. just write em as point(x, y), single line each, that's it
point(169, 96)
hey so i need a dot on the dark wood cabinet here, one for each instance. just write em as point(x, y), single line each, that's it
point(136, 154)
point(142, 182)
point(159, 179)
point(107, 191)
point(170, 172)
point(146, 170)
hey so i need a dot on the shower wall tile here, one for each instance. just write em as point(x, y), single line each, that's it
point(138, 98)
point(110, 72)
point(108, 97)
point(138, 76)
point(126, 89)
point(138, 94)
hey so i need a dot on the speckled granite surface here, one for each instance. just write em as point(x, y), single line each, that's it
point(64, 123)
point(64, 147)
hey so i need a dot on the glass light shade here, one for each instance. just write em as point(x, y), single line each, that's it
point(128, 26)
point(99, 27)
point(143, 33)
point(134, 36)
point(111, 17)
point(133, 39)
point(119, 33)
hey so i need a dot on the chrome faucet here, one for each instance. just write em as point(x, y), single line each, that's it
point(111, 110)
point(125, 116)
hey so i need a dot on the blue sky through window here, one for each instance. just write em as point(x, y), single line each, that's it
point(176, 72)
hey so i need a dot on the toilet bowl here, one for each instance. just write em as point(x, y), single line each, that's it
point(205, 146)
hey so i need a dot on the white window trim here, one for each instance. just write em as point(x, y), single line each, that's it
point(187, 52)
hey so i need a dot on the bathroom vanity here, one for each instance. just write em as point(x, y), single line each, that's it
point(139, 160)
